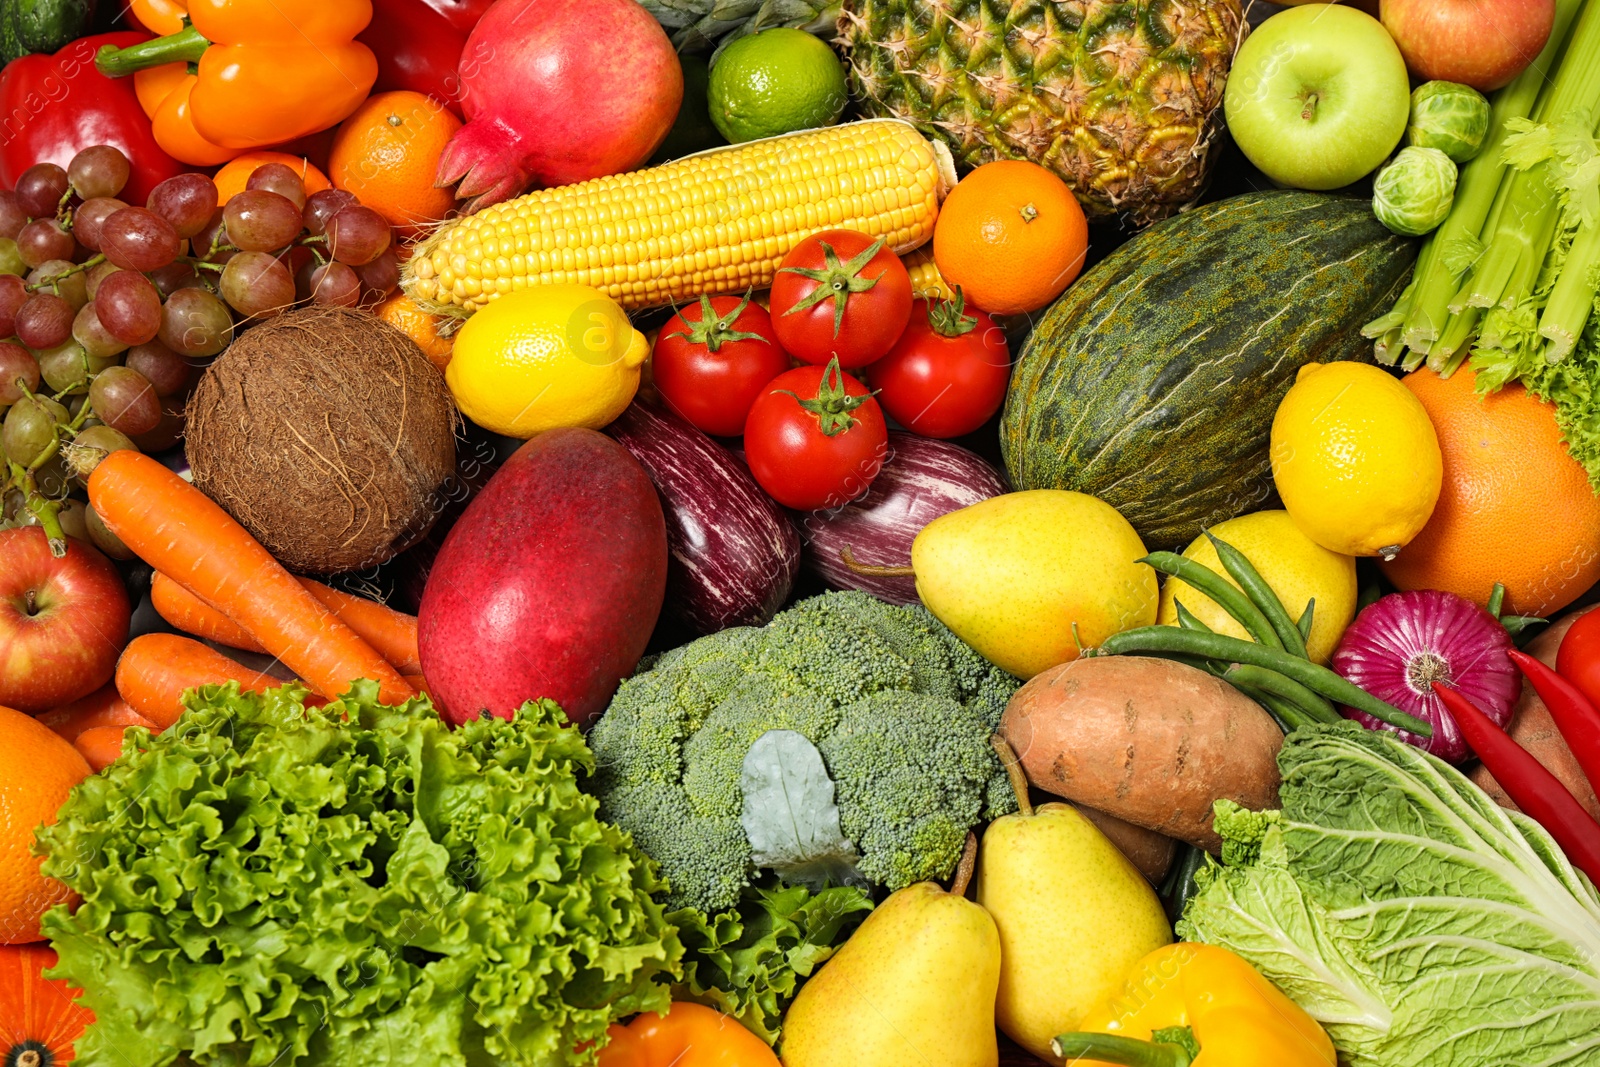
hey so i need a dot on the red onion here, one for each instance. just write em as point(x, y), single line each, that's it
point(1400, 645)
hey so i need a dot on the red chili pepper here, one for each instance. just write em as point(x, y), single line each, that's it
point(1536, 791)
point(53, 107)
point(418, 44)
point(1575, 716)
point(1578, 658)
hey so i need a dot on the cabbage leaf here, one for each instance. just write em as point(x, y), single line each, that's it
point(266, 883)
point(1420, 923)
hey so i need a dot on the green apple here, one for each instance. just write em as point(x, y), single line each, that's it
point(1318, 96)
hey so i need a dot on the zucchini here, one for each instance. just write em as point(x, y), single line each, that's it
point(29, 26)
point(1152, 382)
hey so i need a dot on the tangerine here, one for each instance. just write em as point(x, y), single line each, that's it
point(387, 154)
point(1515, 507)
point(1011, 235)
point(38, 769)
point(403, 313)
point(230, 178)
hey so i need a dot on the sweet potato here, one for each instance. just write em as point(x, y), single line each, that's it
point(1147, 850)
point(1149, 741)
point(1534, 729)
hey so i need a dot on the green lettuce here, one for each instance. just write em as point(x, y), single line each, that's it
point(1420, 923)
point(267, 883)
point(749, 962)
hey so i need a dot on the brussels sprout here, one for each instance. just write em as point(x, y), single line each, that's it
point(1448, 116)
point(1412, 193)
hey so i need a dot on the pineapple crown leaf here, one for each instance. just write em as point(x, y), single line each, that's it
point(835, 280)
point(713, 330)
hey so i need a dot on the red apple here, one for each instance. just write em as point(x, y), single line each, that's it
point(63, 622)
point(1481, 43)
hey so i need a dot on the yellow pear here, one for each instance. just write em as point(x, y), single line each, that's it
point(1074, 916)
point(1029, 578)
point(914, 985)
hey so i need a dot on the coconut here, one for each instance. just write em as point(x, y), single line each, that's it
point(328, 434)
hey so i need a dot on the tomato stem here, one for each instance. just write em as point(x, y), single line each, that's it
point(832, 405)
point(948, 317)
point(836, 280)
point(714, 331)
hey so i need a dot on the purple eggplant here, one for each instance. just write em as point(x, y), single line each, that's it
point(921, 480)
point(734, 552)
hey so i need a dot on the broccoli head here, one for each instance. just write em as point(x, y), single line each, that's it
point(900, 709)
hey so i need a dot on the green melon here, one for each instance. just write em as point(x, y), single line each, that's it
point(1152, 382)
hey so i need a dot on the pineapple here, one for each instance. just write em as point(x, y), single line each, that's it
point(1121, 99)
point(698, 26)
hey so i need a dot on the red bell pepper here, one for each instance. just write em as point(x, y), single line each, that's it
point(418, 44)
point(53, 107)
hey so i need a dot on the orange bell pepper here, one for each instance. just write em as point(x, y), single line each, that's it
point(160, 17)
point(263, 72)
point(689, 1035)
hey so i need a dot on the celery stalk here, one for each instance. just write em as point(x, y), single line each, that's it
point(1572, 298)
point(1478, 186)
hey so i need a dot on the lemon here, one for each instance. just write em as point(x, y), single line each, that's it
point(1355, 459)
point(776, 81)
point(1295, 567)
point(549, 356)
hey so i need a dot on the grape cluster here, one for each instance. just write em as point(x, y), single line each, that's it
point(110, 308)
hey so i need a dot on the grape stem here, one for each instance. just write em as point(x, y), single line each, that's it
point(53, 283)
point(63, 216)
point(47, 511)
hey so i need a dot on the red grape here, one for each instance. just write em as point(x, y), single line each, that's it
point(13, 293)
point(125, 400)
point(136, 238)
point(212, 235)
point(379, 277)
point(195, 323)
point(97, 274)
point(188, 201)
point(99, 170)
point(322, 206)
point(280, 179)
point(91, 214)
point(44, 320)
point(257, 284)
point(89, 332)
point(40, 190)
point(261, 221)
point(60, 277)
point(12, 216)
point(129, 307)
point(168, 372)
point(179, 274)
point(67, 367)
point(44, 239)
point(335, 284)
point(16, 362)
point(357, 235)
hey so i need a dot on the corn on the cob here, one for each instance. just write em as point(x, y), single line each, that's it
point(717, 222)
point(926, 281)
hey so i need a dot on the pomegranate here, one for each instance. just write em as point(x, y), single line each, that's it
point(556, 92)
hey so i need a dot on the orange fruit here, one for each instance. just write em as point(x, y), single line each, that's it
point(1515, 507)
point(233, 174)
point(1011, 235)
point(387, 154)
point(37, 771)
point(401, 312)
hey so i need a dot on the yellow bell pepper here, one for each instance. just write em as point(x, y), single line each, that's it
point(260, 72)
point(688, 1035)
point(1190, 1005)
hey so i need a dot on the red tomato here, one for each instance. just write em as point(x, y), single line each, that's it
point(815, 438)
point(840, 295)
point(712, 359)
point(948, 372)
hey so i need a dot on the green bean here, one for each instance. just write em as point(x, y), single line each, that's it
point(1304, 625)
point(1161, 640)
point(1288, 717)
point(1319, 708)
point(1187, 620)
point(1260, 593)
point(1207, 581)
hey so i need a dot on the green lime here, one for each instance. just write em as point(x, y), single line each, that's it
point(773, 82)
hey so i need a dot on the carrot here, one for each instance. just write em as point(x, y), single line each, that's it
point(179, 531)
point(155, 670)
point(392, 633)
point(100, 746)
point(101, 708)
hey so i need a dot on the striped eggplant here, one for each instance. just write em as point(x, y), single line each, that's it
point(734, 552)
point(921, 480)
